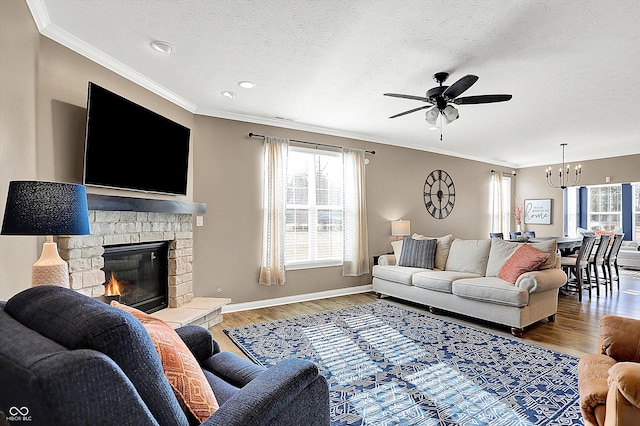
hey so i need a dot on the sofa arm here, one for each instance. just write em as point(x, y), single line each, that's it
point(539, 281)
point(625, 378)
point(593, 374)
point(620, 338)
point(232, 368)
point(387, 259)
point(199, 341)
point(271, 395)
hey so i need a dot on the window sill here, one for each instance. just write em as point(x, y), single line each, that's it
point(312, 265)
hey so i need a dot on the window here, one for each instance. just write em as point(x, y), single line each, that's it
point(605, 207)
point(501, 204)
point(313, 228)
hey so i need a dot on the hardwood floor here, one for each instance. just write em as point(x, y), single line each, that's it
point(575, 331)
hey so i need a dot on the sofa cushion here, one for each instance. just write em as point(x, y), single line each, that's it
point(180, 366)
point(468, 256)
point(524, 259)
point(490, 290)
point(396, 274)
point(417, 253)
point(501, 250)
point(439, 280)
point(397, 249)
point(442, 248)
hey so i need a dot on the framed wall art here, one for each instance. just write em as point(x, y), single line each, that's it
point(537, 211)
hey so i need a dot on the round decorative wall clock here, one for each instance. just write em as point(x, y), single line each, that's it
point(439, 194)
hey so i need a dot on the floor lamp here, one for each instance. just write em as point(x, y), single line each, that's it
point(46, 208)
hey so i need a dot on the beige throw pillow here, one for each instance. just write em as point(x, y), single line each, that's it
point(469, 256)
point(397, 249)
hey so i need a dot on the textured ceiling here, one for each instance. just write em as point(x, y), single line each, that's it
point(323, 65)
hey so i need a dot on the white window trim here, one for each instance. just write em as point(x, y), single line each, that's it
point(313, 212)
point(294, 266)
point(591, 212)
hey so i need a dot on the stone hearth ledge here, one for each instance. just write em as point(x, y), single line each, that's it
point(202, 311)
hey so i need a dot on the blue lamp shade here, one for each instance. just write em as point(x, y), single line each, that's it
point(45, 208)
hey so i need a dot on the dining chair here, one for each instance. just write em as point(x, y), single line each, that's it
point(611, 260)
point(496, 235)
point(596, 262)
point(531, 234)
point(579, 266)
point(514, 235)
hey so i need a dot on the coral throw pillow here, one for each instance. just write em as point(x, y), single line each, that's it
point(524, 259)
point(185, 376)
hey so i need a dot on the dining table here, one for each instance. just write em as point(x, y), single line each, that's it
point(566, 245)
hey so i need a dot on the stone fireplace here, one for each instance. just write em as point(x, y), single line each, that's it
point(113, 223)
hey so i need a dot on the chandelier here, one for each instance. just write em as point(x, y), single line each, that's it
point(564, 174)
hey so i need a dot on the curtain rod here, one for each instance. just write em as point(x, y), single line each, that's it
point(511, 173)
point(253, 135)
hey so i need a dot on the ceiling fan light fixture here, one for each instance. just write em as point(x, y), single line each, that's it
point(450, 114)
point(432, 116)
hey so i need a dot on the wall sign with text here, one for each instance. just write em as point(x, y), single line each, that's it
point(537, 211)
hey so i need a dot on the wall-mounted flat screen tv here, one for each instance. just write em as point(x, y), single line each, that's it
point(128, 146)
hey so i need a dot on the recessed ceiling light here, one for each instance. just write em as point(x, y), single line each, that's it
point(228, 94)
point(433, 127)
point(161, 46)
point(246, 84)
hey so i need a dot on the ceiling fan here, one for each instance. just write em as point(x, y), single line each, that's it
point(439, 97)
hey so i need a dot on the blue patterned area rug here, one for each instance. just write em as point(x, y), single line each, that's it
point(387, 365)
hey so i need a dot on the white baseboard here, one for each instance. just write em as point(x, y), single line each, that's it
point(237, 307)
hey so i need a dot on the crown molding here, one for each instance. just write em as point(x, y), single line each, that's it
point(55, 33)
point(293, 125)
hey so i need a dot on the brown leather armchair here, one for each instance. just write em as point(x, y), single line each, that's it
point(609, 382)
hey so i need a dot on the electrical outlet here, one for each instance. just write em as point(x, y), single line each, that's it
point(199, 220)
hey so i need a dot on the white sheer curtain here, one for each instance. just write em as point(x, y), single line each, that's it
point(356, 251)
point(497, 200)
point(272, 271)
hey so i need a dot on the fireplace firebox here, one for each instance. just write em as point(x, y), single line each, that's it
point(137, 275)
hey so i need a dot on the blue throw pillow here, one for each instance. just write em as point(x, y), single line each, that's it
point(418, 253)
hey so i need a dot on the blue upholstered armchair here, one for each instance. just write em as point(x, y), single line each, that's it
point(69, 359)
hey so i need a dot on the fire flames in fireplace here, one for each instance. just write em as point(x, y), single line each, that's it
point(113, 287)
point(137, 275)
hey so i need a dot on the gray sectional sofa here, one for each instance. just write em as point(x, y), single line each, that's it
point(465, 281)
point(629, 255)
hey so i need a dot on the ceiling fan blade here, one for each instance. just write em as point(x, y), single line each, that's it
point(410, 111)
point(482, 99)
point(457, 88)
point(415, 98)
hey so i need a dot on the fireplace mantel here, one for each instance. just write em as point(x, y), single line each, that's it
point(132, 204)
